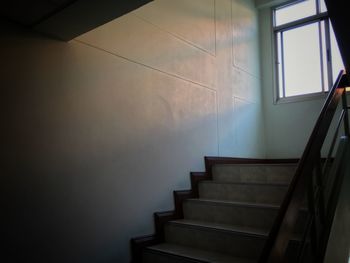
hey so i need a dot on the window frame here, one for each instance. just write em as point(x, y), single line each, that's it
point(275, 30)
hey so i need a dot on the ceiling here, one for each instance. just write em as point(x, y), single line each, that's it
point(30, 13)
point(65, 19)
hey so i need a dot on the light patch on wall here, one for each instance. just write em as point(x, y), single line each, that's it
point(246, 86)
point(247, 122)
point(192, 21)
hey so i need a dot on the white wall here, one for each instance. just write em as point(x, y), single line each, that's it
point(102, 129)
point(338, 246)
point(287, 125)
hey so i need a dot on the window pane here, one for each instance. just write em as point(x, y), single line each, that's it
point(337, 62)
point(324, 57)
point(294, 12)
point(323, 6)
point(302, 63)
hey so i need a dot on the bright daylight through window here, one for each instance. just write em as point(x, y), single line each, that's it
point(307, 55)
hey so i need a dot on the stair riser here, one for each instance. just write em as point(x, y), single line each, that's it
point(215, 240)
point(266, 194)
point(230, 214)
point(253, 173)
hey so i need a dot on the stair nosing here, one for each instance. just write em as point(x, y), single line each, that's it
point(244, 183)
point(239, 204)
point(194, 258)
point(257, 164)
point(159, 251)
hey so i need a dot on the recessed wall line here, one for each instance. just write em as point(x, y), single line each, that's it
point(190, 43)
point(232, 37)
point(244, 100)
point(144, 65)
point(217, 122)
point(245, 71)
point(215, 24)
point(216, 94)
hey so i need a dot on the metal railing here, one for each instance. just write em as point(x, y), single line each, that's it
point(313, 182)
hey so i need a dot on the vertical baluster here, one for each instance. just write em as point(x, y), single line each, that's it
point(312, 211)
point(304, 246)
point(320, 187)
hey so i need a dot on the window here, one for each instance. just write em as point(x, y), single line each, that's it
point(306, 52)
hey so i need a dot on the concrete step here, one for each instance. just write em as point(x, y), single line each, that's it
point(243, 192)
point(172, 253)
point(242, 214)
point(226, 239)
point(254, 173)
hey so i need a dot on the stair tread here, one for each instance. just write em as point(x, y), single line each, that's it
point(233, 203)
point(221, 227)
point(204, 256)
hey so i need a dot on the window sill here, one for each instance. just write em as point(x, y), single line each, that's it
point(301, 98)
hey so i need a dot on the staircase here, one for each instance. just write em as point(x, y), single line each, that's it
point(249, 210)
point(230, 219)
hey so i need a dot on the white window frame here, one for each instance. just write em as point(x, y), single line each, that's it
point(318, 17)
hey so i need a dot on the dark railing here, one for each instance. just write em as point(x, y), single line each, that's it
point(309, 183)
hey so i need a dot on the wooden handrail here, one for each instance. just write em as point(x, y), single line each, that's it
point(281, 232)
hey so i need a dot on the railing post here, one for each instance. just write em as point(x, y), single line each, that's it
point(346, 115)
point(344, 83)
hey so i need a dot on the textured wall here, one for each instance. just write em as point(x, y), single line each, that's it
point(103, 128)
point(210, 44)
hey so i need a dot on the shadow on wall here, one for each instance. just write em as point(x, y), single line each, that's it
point(91, 151)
